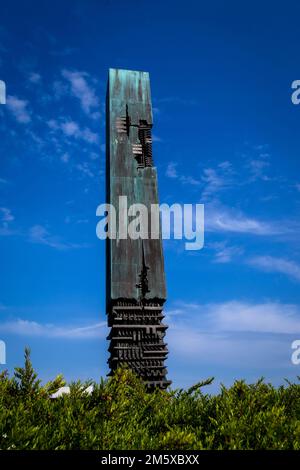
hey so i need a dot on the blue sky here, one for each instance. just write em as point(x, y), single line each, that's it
point(226, 134)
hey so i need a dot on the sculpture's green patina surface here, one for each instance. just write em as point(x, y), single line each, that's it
point(136, 287)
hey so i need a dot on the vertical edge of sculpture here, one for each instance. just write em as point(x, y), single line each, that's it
point(135, 276)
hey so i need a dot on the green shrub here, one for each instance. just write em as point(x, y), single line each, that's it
point(121, 414)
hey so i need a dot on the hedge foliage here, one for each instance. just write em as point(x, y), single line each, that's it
point(120, 414)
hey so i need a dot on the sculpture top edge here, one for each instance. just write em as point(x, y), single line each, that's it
point(129, 86)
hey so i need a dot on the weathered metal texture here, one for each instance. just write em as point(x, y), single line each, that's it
point(135, 268)
point(129, 94)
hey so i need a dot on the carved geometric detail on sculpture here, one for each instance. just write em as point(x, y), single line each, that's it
point(143, 284)
point(136, 338)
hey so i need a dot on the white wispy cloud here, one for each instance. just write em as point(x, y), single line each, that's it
point(257, 167)
point(171, 171)
point(256, 163)
point(94, 156)
point(189, 180)
point(196, 351)
point(268, 317)
point(6, 215)
point(213, 183)
point(19, 109)
point(225, 253)
point(6, 218)
point(32, 328)
point(276, 265)
point(40, 235)
point(89, 136)
point(224, 219)
point(34, 77)
point(238, 316)
point(233, 333)
point(226, 165)
point(261, 147)
point(217, 179)
point(82, 89)
point(71, 128)
point(85, 169)
point(212, 180)
point(65, 157)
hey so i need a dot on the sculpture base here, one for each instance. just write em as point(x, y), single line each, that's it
point(136, 339)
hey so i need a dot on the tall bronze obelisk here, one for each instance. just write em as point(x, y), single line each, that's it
point(136, 289)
